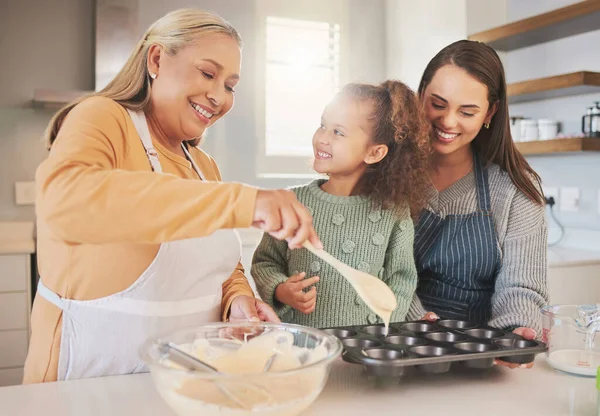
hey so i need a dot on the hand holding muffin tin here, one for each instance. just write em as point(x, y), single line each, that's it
point(431, 346)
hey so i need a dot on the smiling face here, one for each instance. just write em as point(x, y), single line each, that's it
point(195, 87)
point(342, 143)
point(457, 106)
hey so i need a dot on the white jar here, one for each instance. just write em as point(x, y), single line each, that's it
point(529, 130)
point(515, 128)
point(548, 129)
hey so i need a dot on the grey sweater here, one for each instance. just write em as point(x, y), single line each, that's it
point(521, 232)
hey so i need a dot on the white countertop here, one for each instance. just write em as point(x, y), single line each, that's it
point(497, 391)
point(17, 237)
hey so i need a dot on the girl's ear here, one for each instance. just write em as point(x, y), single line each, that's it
point(376, 153)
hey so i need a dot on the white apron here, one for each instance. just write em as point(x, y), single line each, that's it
point(181, 287)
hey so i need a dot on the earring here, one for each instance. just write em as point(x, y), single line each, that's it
point(486, 125)
point(153, 76)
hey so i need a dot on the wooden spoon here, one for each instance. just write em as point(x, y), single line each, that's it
point(373, 291)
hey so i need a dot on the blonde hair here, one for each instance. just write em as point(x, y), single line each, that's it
point(131, 86)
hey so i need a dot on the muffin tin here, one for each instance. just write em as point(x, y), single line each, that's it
point(431, 347)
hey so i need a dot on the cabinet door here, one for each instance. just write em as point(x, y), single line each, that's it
point(14, 272)
point(13, 345)
point(11, 376)
point(13, 311)
point(574, 285)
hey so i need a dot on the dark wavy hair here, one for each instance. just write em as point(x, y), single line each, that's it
point(398, 121)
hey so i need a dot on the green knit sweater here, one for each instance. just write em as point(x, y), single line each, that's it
point(379, 242)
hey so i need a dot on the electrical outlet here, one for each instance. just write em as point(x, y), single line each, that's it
point(570, 198)
point(551, 191)
point(25, 193)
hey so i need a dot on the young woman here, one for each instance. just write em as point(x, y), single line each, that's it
point(480, 246)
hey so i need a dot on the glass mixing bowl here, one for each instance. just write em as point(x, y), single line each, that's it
point(299, 370)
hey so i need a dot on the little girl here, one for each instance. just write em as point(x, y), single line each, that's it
point(373, 144)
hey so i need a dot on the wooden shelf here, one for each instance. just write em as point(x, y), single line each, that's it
point(46, 98)
point(560, 23)
point(578, 144)
point(583, 82)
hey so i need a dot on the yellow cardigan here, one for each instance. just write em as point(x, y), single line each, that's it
point(102, 214)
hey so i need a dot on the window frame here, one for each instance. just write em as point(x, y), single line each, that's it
point(331, 11)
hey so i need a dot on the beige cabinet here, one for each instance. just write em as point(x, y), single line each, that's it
point(15, 307)
point(574, 284)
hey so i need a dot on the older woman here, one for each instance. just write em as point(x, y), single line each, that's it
point(135, 229)
point(480, 247)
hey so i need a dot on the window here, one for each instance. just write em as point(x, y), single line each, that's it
point(302, 73)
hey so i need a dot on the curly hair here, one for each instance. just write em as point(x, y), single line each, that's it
point(400, 179)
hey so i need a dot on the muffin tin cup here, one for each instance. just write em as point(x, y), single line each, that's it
point(360, 343)
point(446, 337)
point(477, 347)
point(436, 368)
point(384, 356)
point(484, 333)
point(431, 347)
point(479, 363)
point(433, 351)
point(519, 343)
point(404, 341)
point(379, 330)
point(456, 324)
point(418, 327)
point(340, 333)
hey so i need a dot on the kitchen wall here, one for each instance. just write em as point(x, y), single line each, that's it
point(572, 54)
point(416, 31)
point(21, 150)
point(43, 44)
point(54, 48)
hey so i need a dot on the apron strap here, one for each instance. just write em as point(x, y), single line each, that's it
point(137, 307)
point(49, 295)
point(191, 159)
point(141, 125)
point(482, 185)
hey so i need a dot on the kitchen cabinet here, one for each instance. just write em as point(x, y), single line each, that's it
point(578, 18)
point(575, 83)
point(567, 145)
point(55, 99)
point(573, 276)
point(571, 20)
point(15, 307)
point(574, 285)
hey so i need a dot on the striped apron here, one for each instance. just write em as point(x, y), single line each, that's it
point(458, 258)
